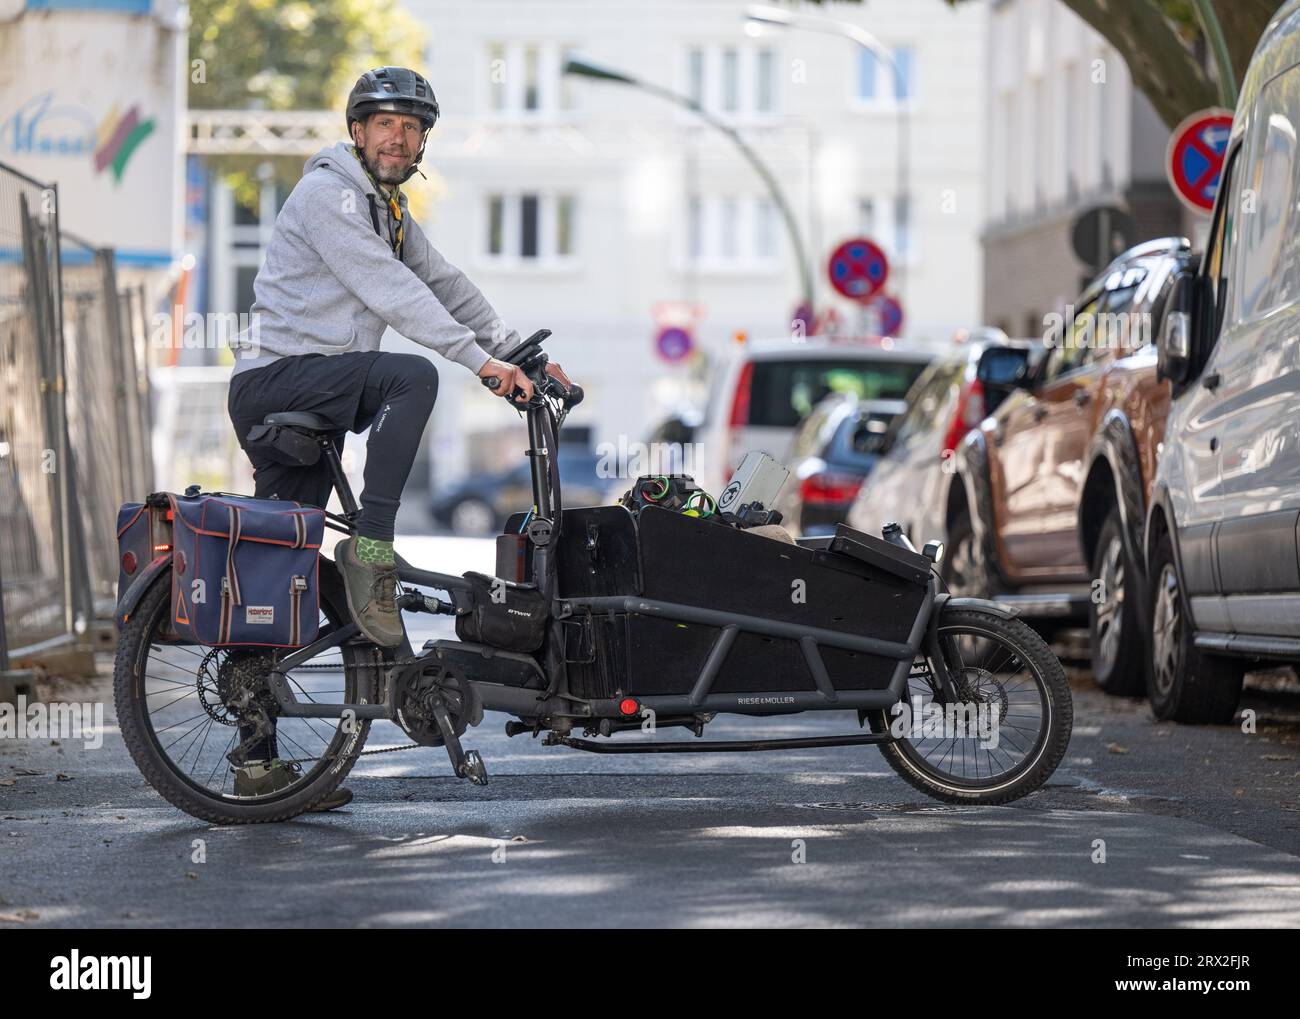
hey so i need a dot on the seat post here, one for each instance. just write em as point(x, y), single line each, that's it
point(346, 499)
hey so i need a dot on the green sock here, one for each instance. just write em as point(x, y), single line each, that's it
point(372, 550)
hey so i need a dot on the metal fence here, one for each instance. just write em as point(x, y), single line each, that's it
point(74, 428)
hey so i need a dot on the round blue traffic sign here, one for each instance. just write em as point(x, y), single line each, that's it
point(858, 269)
point(674, 343)
point(890, 313)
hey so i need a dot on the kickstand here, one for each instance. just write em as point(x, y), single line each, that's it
point(465, 764)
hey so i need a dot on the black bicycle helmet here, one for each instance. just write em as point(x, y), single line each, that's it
point(394, 90)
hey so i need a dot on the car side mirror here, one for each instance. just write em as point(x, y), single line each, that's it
point(1003, 368)
point(873, 436)
point(1177, 327)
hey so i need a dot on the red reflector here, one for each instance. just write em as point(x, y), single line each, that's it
point(629, 706)
point(128, 563)
point(169, 514)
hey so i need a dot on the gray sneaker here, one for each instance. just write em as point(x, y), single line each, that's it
point(372, 595)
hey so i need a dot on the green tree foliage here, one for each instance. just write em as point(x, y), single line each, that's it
point(273, 55)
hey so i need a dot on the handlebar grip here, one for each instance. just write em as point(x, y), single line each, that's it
point(492, 382)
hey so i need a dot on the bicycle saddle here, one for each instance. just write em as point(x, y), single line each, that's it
point(300, 419)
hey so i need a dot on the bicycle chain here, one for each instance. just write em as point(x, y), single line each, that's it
point(320, 667)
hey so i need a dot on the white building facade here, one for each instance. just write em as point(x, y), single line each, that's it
point(603, 212)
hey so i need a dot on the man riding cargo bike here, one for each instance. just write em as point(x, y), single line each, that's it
point(250, 666)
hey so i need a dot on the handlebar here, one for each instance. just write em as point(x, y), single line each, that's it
point(530, 357)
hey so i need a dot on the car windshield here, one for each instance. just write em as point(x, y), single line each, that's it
point(782, 392)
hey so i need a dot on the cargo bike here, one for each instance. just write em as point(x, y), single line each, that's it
point(606, 629)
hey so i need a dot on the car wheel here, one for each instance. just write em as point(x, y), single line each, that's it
point(1118, 651)
point(473, 517)
point(962, 570)
point(1184, 684)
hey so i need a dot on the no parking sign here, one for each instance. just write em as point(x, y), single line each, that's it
point(1194, 160)
point(858, 269)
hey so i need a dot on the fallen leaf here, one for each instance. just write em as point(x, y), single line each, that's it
point(27, 771)
point(63, 778)
point(8, 781)
point(1115, 748)
point(22, 916)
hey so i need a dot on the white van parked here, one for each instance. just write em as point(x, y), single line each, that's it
point(1222, 533)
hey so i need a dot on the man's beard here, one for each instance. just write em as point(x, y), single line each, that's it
point(391, 172)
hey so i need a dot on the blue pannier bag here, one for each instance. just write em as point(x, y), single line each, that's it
point(245, 571)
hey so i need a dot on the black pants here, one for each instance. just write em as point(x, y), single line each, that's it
point(391, 394)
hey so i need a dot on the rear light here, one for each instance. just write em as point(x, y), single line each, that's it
point(739, 414)
point(968, 413)
point(628, 706)
point(162, 548)
point(740, 401)
point(829, 487)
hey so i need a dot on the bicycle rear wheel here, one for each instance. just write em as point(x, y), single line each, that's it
point(173, 707)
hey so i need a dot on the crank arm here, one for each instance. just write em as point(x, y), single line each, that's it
point(464, 765)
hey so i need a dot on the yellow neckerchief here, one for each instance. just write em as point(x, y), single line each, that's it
point(394, 204)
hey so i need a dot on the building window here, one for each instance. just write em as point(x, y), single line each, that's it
point(902, 228)
point(1071, 115)
point(526, 79)
point(532, 85)
point(876, 79)
point(564, 225)
point(732, 80)
point(765, 101)
point(695, 228)
point(728, 232)
point(1103, 132)
point(866, 217)
point(496, 224)
point(497, 71)
point(530, 228)
point(765, 228)
point(695, 62)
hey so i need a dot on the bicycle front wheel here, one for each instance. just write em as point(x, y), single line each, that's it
point(1012, 724)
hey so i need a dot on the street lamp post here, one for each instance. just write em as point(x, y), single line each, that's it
point(765, 15)
point(583, 69)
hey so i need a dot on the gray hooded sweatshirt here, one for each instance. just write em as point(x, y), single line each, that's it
point(330, 284)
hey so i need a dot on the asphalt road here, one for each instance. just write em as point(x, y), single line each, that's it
point(1200, 827)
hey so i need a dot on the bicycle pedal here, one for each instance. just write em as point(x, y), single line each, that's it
point(474, 769)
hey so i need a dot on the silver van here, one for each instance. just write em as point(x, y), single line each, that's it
point(1221, 533)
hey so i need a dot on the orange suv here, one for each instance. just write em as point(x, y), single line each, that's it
point(1054, 486)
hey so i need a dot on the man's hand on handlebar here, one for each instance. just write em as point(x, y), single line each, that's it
point(505, 380)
